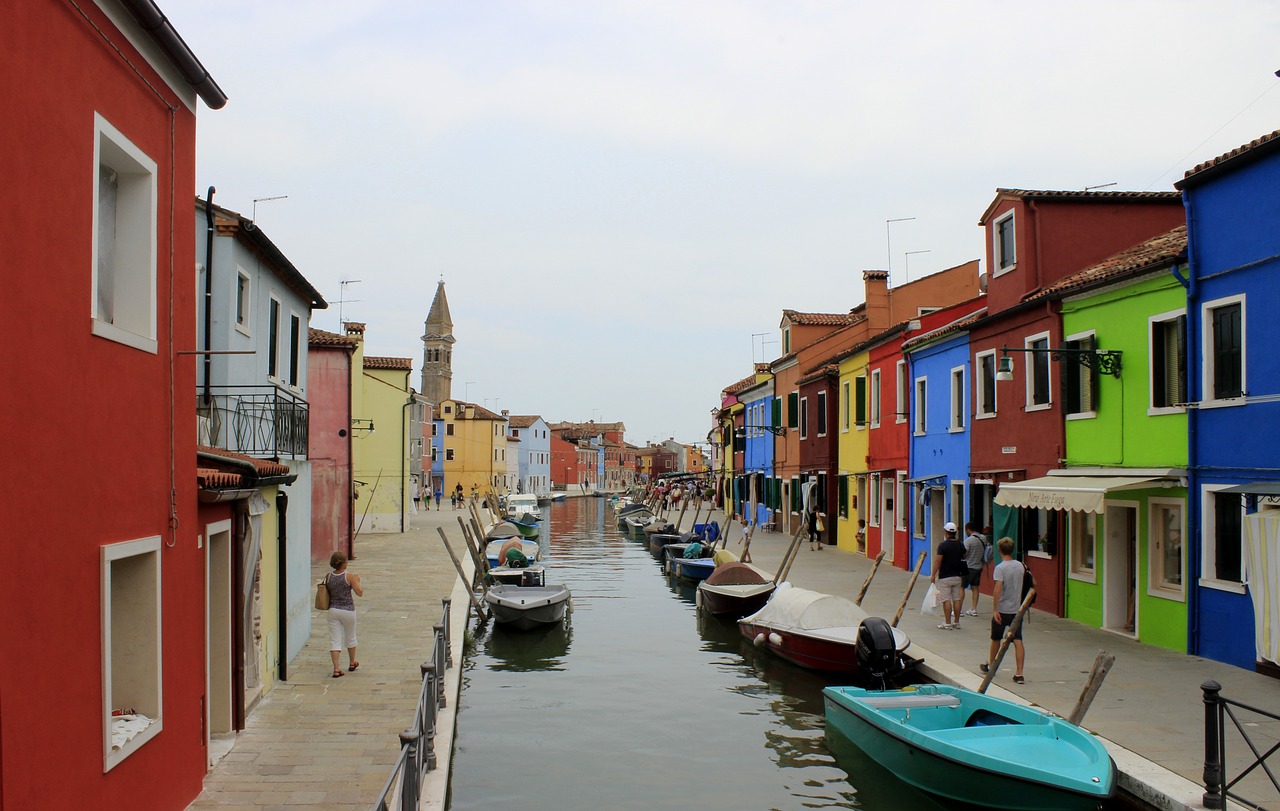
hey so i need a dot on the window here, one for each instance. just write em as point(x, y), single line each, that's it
point(822, 413)
point(786, 342)
point(1079, 381)
point(1168, 351)
point(957, 506)
point(844, 406)
point(873, 501)
point(244, 287)
point(842, 488)
point(1165, 538)
point(1004, 245)
point(1038, 372)
point(124, 240)
point(887, 489)
point(775, 408)
point(917, 510)
point(860, 497)
point(804, 417)
point(1224, 541)
point(433, 454)
point(1224, 350)
point(874, 396)
point(901, 406)
point(273, 338)
point(957, 401)
point(1083, 529)
point(131, 656)
point(793, 409)
point(922, 385)
point(904, 501)
point(860, 401)
point(295, 339)
point(986, 388)
point(448, 409)
point(448, 429)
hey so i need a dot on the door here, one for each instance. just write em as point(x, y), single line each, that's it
point(219, 652)
point(1120, 569)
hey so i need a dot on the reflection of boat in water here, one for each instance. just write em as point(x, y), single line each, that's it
point(537, 649)
point(875, 786)
point(687, 592)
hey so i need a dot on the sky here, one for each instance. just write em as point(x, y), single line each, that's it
point(622, 196)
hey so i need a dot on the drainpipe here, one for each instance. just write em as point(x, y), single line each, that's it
point(1194, 395)
point(208, 294)
point(404, 454)
point(282, 587)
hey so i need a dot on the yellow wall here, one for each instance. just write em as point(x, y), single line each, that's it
point(854, 446)
point(380, 458)
point(472, 443)
point(268, 596)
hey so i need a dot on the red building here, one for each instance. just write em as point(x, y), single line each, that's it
point(98, 144)
point(1035, 238)
point(564, 463)
point(819, 438)
point(888, 444)
point(329, 357)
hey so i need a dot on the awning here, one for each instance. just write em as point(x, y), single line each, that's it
point(1255, 489)
point(991, 474)
point(919, 479)
point(1074, 493)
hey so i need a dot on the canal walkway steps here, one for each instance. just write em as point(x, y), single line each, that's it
point(321, 742)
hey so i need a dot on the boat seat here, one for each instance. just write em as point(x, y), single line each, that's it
point(910, 701)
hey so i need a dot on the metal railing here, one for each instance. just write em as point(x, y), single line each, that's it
point(403, 788)
point(255, 420)
point(1216, 784)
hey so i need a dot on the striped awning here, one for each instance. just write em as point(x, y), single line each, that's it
point(1071, 493)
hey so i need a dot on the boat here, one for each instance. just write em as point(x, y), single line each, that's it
point(559, 496)
point(523, 504)
point(527, 526)
point(525, 607)
point(825, 632)
point(735, 589)
point(975, 748)
point(495, 550)
point(501, 531)
point(698, 567)
point(534, 575)
point(659, 539)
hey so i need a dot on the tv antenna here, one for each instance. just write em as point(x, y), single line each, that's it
point(342, 298)
point(1101, 186)
point(257, 200)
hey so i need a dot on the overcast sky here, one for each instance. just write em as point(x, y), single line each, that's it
point(619, 194)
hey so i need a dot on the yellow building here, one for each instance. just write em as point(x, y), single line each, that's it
point(853, 447)
point(380, 396)
point(474, 444)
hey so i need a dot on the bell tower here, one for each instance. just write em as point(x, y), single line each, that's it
point(437, 355)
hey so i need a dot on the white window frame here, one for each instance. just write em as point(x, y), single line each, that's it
point(887, 506)
point(984, 410)
point(245, 302)
point(274, 374)
point(1155, 579)
point(133, 656)
point(1152, 409)
point(921, 426)
point(132, 265)
point(1029, 373)
point(804, 418)
point(1209, 543)
point(823, 419)
point(1077, 569)
point(902, 408)
point(955, 423)
point(873, 501)
point(845, 407)
point(297, 352)
point(901, 510)
point(1207, 400)
point(917, 510)
point(997, 268)
point(1092, 413)
point(957, 495)
point(873, 394)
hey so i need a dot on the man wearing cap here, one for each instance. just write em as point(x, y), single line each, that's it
point(948, 574)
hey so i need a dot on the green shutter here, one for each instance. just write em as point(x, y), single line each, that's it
point(844, 496)
point(793, 410)
point(860, 400)
point(776, 416)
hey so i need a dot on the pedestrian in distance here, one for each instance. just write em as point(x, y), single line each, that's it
point(1007, 599)
point(453, 500)
point(948, 575)
point(975, 558)
point(861, 536)
point(439, 494)
point(342, 612)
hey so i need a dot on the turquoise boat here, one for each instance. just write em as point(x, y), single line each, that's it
point(975, 748)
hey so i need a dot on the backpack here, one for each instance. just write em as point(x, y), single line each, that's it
point(1028, 583)
point(990, 553)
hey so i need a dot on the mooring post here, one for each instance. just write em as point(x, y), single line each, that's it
point(1212, 744)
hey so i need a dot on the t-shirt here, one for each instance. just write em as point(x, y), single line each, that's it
point(975, 551)
point(952, 555)
point(1009, 574)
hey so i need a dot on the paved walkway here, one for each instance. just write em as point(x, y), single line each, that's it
point(330, 743)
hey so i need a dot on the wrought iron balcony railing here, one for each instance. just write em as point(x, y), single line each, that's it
point(261, 421)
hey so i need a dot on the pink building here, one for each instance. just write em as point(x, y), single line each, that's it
point(329, 359)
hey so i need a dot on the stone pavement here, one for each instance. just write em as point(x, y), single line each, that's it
point(330, 743)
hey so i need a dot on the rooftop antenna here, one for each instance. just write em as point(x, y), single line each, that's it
point(1102, 186)
point(342, 297)
point(889, 243)
point(907, 259)
point(257, 200)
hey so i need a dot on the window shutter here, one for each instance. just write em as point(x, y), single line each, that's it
point(860, 401)
point(1176, 361)
point(793, 410)
point(776, 412)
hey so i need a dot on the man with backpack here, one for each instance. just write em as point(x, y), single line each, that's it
point(1009, 578)
point(976, 558)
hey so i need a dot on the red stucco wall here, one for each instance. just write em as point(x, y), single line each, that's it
point(329, 448)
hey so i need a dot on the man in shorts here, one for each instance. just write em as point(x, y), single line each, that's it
point(1007, 597)
point(948, 576)
point(975, 557)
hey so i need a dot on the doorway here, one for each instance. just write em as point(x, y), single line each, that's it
point(219, 693)
point(1120, 570)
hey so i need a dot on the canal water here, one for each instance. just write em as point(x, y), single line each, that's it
point(641, 702)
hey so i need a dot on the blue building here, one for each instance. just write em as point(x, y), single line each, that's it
point(939, 424)
point(762, 412)
point(533, 451)
point(1233, 292)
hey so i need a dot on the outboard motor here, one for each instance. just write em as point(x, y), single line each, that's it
point(876, 652)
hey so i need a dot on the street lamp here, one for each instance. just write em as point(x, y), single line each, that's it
point(1105, 361)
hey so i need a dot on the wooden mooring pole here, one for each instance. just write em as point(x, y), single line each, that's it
point(1008, 637)
point(910, 585)
point(1101, 666)
point(867, 583)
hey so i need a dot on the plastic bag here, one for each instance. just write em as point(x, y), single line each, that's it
point(931, 605)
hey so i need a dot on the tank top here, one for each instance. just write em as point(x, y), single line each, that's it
point(340, 592)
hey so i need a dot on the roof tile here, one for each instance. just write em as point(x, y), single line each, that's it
point(1149, 254)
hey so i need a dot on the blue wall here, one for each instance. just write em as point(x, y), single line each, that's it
point(758, 451)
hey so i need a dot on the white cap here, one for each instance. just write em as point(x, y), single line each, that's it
point(949, 527)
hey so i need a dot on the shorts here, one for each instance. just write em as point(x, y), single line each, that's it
point(974, 578)
point(997, 628)
point(950, 589)
point(342, 628)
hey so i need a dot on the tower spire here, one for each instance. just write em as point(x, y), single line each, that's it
point(437, 352)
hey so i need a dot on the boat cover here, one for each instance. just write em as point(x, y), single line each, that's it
point(735, 574)
point(791, 607)
point(723, 556)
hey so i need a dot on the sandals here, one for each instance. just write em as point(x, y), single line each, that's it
point(354, 667)
point(1019, 680)
point(337, 674)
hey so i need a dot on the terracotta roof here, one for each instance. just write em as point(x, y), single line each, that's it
point(207, 477)
point(319, 337)
point(959, 325)
point(1150, 254)
point(1078, 196)
point(742, 385)
point(523, 421)
point(353, 326)
point(817, 319)
point(372, 362)
point(1239, 155)
point(480, 412)
point(265, 467)
point(819, 371)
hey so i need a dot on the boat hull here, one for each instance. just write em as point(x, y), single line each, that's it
point(804, 650)
point(735, 601)
point(941, 761)
point(696, 569)
point(525, 607)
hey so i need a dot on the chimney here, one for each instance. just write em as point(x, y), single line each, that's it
point(876, 285)
point(762, 368)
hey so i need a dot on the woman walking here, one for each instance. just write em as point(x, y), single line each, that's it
point(342, 612)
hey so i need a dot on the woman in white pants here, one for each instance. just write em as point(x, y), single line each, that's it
point(342, 612)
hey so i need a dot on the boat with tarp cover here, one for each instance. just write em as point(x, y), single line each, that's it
point(735, 589)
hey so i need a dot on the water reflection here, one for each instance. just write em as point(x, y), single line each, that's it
point(540, 649)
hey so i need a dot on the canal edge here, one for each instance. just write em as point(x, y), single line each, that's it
point(435, 786)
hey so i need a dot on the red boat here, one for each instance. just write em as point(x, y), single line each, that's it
point(735, 589)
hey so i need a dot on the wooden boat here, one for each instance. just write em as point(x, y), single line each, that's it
point(534, 575)
point(527, 607)
point(975, 748)
point(494, 551)
point(659, 540)
point(501, 531)
point(526, 525)
point(821, 632)
point(735, 589)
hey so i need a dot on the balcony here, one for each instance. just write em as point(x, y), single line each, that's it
point(261, 421)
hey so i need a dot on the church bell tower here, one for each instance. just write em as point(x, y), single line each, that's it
point(437, 356)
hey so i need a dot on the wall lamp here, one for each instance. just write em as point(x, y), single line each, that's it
point(1106, 362)
point(361, 425)
point(776, 430)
